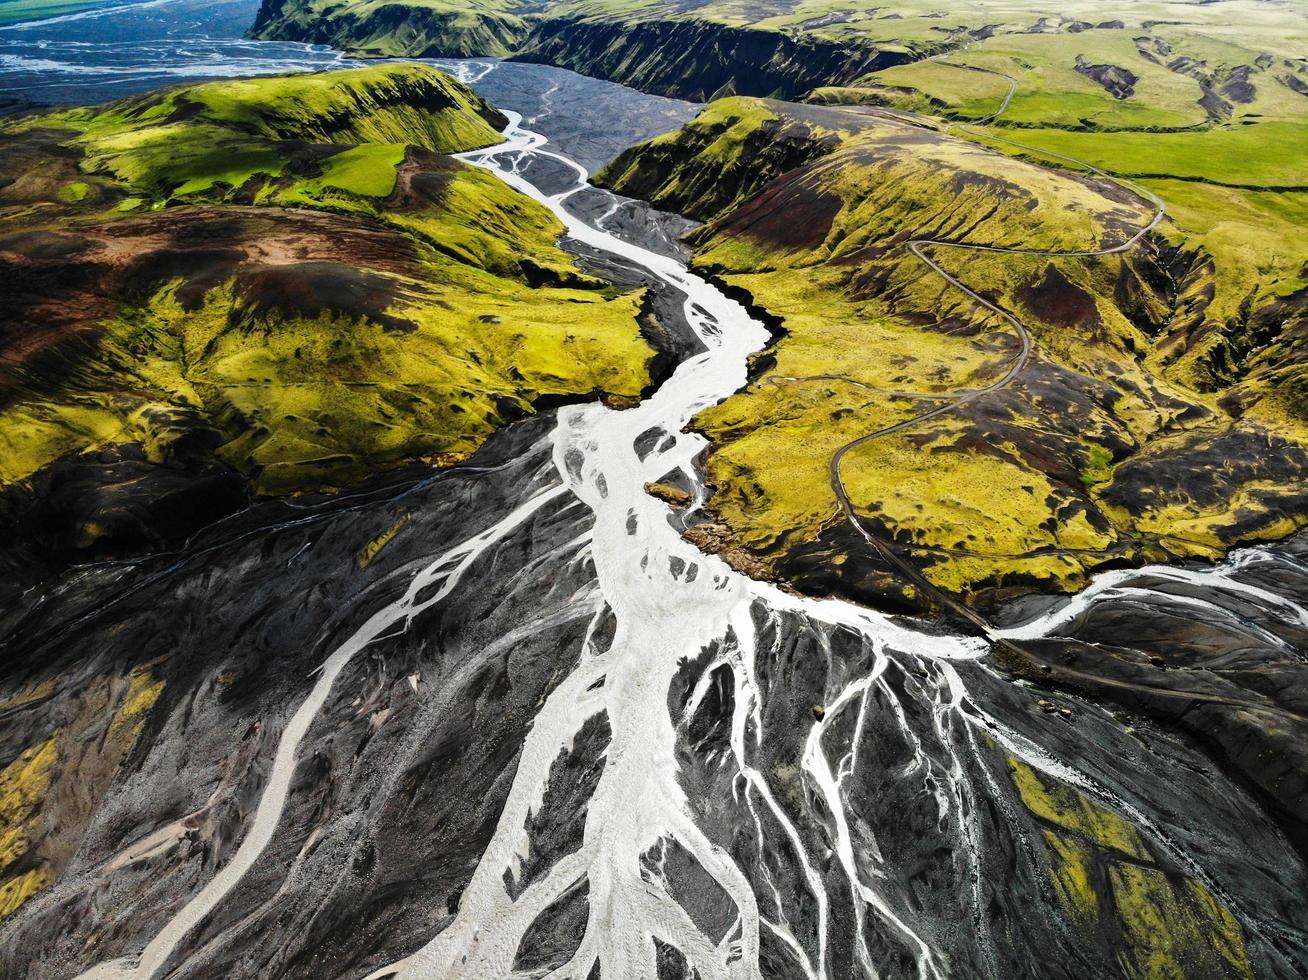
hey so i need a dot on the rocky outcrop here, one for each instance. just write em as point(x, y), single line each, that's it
point(699, 60)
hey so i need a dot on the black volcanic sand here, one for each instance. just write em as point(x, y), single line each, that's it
point(402, 775)
point(1224, 667)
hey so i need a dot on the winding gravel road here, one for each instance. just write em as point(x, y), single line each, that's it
point(1015, 367)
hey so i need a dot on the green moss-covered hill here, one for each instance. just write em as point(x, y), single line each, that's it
point(1161, 413)
point(272, 286)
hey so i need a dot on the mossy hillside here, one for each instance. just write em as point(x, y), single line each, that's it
point(873, 94)
point(728, 153)
point(301, 403)
point(999, 503)
point(189, 140)
point(737, 146)
point(1157, 76)
point(886, 182)
point(927, 86)
point(1023, 485)
point(836, 377)
point(1245, 338)
point(1052, 91)
point(481, 223)
point(771, 446)
point(72, 764)
point(407, 103)
point(415, 28)
point(1252, 250)
point(398, 103)
point(140, 148)
point(361, 171)
point(426, 305)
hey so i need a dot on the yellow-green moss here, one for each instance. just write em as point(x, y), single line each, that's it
point(143, 690)
point(1172, 927)
point(311, 403)
point(1100, 467)
point(1070, 867)
point(373, 548)
point(75, 192)
point(367, 170)
point(35, 691)
point(1065, 807)
point(15, 891)
point(23, 783)
point(23, 786)
point(1174, 931)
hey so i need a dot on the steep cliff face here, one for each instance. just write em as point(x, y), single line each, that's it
point(700, 60)
point(401, 104)
point(391, 29)
point(673, 54)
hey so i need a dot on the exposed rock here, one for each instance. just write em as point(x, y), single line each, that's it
point(716, 539)
point(1116, 81)
point(684, 58)
point(1293, 82)
point(619, 402)
point(669, 494)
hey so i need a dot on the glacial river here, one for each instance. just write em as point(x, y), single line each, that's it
point(768, 785)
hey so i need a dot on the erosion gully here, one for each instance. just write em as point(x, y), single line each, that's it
point(789, 786)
